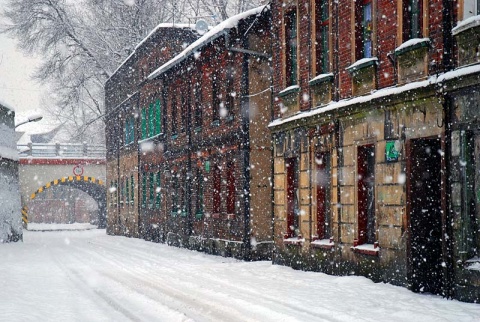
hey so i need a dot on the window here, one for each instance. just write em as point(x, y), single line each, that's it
point(366, 194)
point(322, 17)
point(157, 191)
point(230, 93)
point(199, 205)
point(291, 47)
point(151, 190)
point(127, 191)
point(412, 19)
point(322, 182)
point(158, 117)
point(175, 191)
point(293, 198)
point(129, 130)
point(151, 120)
point(217, 189)
point(363, 29)
point(144, 190)
point(231, 188)
point(471, 8)
point(144, 123)
point(174, 115)
point(198, 104)
point(132, 191)
point(216, 96)
point(183, 115)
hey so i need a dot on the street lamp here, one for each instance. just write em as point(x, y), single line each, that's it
point(31, 118)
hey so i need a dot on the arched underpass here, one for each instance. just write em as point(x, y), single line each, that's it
point(93, 187)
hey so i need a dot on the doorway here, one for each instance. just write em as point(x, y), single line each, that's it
point(424, 210)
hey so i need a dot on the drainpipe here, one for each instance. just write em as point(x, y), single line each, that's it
point(245, 105)
point(336, 70)
point(189, 163)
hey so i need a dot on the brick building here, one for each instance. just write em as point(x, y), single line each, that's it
point(190, 151)
point(375, 141)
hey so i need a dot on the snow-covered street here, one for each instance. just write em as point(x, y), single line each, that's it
point(89, 276)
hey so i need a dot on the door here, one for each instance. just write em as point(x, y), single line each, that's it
point(292, 196)
point(425, 221)
point(322, 180)
point(366, 194)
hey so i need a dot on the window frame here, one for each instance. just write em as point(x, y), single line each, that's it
point(321, 36)
point(290, 18)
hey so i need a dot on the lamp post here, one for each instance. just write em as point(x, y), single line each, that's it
point(31, 118)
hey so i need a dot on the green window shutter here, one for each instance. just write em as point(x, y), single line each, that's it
point(126, 131)
point(144, 123)
point(144, 190)
point(151, 120)
point(158, 117)
point(158, 195)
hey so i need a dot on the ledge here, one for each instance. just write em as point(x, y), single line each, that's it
point(323, 243)
point(466, 24)
point(411, 44)
point(150, 138)
point(322, 78)
point(294, 241)
point(361, 64)
point(366, 249)
point(289, 90)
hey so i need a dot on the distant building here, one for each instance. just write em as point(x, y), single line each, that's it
point(10, 207)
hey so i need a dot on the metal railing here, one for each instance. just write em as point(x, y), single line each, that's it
point(61, 150)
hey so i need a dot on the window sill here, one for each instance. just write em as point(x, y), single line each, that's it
point(215, 123)
point(198, 129)
point(466, 24)
point(320, 79)
point(411, 45)
point(323, 243)
point(366, 249)
point(361, 64)
point(298, 241)
point(289, 90)
point(150, 138)
point(216, 215)
point(231, 216)
point(174, 136)
point(199, 215)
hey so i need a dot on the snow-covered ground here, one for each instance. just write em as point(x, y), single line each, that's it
point(50, 227)
point(89, 276)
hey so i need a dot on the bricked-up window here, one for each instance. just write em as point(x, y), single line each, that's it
point(471, 8)
point(366, 194)
point(322, 181)
point(199, 204)
point(132, 190)
point(322, 17)
point(291, 47)
point(157, 191)
point(412, 19)
point(363, 29)
point(174, 114)
point(144, 190)
point(151, 197)
point(293, 198)
point(144, 123)
point(217, 189)
point(216, 96)
point(198, 103)
point(231, 188)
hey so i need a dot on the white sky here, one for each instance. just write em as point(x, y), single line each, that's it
point(16, 87)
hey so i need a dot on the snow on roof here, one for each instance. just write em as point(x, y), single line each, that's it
point(6, 105)
point(154, 30)
point(210, 36)
point(380, 93)
point(466, 24)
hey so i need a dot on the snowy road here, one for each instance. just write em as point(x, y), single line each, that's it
point(89, 276)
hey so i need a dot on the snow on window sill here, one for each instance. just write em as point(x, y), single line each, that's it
point(150, 138)
point(215, 123)
point(466, 24)
point(366, 249)
point(198, 129)
point(412, 44)
point(289, 90)
point(323, 243)
point(361, 64)
point(294, 241)
point(320, 79)
point(473, 264)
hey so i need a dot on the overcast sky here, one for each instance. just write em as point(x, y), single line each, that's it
point(16, 87)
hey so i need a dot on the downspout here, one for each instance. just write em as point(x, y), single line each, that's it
point(138, 163)
point(336, 94)
point(189, 163)
point(448, 64)
point(245, 105)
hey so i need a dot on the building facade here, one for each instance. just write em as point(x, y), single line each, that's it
point(10, 212)
point(374, 144)
point(194, 158)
